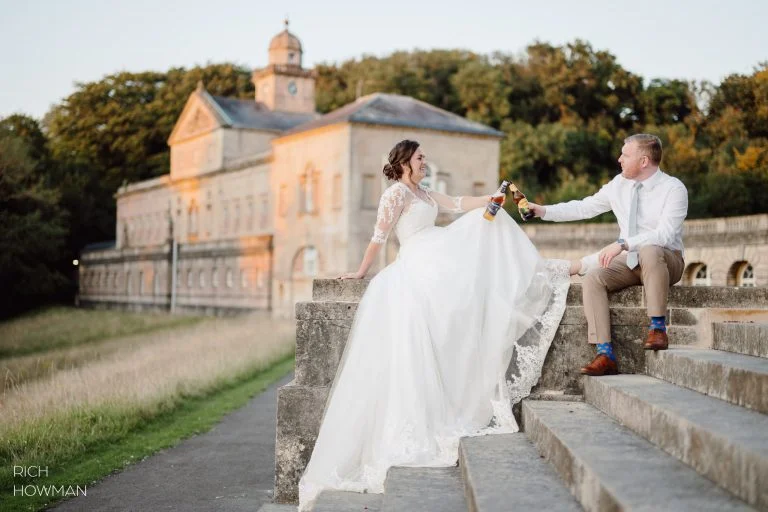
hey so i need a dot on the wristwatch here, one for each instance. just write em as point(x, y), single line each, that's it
point(623, 244)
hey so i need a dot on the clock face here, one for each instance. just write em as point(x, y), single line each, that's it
point(292, 89)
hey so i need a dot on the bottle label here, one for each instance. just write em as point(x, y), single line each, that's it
point(493, 207)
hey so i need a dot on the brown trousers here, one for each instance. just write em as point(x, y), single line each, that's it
point(659, 269)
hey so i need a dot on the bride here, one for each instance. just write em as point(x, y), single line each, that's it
point(428, 356)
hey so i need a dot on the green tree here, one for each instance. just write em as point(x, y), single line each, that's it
point(33, 230)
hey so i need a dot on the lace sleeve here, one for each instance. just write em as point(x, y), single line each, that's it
point(447, 203)
point(390, 207)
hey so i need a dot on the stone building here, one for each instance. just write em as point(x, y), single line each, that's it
point(263, 196)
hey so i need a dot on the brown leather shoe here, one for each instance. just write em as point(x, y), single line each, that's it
point(601, 365)
point(656, 340)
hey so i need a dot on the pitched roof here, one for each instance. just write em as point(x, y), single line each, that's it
point(238, 113)
point(397, 110)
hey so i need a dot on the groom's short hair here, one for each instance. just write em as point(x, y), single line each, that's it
point(650, 145)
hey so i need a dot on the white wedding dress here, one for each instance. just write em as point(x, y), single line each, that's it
point(427, 357)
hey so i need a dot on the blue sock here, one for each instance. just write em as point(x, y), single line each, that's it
point(607, 350)
point(658, 322)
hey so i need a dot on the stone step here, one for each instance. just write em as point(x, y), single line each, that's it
point(423, 490)
point(299, 412)
point(736, 378)
point(505, 472)
point(744, 338)
point(679, 296)
point(726, 443)
point(341, 501)
point(607, 467)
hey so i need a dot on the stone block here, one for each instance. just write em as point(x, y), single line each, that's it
point(299, 412)
point(736, 378)
point(319, 346)
point(743, 338)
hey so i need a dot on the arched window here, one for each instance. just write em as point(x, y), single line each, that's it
point(201, 279)
point(128, 283)
point(229, 278)
point(215, 278)
point(190, 278)
point(306, 263)
point(243, 278)
point(141, 283)
point(701, 276)
point(746, 276)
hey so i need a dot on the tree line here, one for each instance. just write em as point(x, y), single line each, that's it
point(564, 110)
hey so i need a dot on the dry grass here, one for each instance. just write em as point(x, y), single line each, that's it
point(61, 327)
point(128, 383)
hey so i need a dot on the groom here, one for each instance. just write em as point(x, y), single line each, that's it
point(650, 207)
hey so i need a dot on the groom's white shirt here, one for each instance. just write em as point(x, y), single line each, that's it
point(662, 207)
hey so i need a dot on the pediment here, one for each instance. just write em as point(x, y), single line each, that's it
point(197, 118)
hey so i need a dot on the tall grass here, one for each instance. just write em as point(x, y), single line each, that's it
point(60, 327)
point(55, 419)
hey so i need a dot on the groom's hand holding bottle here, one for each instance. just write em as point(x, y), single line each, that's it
point(537, 209)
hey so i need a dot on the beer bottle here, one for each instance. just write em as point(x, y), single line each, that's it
point(522, 203)
point(495, 204)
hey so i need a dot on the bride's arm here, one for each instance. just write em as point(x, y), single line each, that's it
point(370, 256)
point(460, 204)
point(390, 207)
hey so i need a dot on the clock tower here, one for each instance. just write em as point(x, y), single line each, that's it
point(283, 85)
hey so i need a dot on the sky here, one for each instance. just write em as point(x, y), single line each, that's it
point(49, 45)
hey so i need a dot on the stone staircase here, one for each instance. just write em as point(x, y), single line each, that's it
point(683, 429)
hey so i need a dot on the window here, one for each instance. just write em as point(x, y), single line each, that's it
point(747, 276)
point(310, 261)
point(201, 279)
point(251, 215)
point(260, 278)
point(701, 276)
point(128, 283)
point(309, 187)
point(141, 283)
point(264, 211)
point(193, 218)
point(190, 278)
point(336, 192)
point(225, 218)
point(370, 192)
point(156, 283)
point(243, 279)
point(236, 227)
point(306, 262)
point(229, 278)
point(208, 214)
point(215, 278)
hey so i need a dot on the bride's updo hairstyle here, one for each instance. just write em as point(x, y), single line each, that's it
point(399, 156)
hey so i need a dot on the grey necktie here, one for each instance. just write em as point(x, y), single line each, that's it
point(632, 259)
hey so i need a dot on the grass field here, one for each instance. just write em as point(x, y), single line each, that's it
point(60, 327)
point(113, 392)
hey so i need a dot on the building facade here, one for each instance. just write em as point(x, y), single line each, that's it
point(263, 196)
